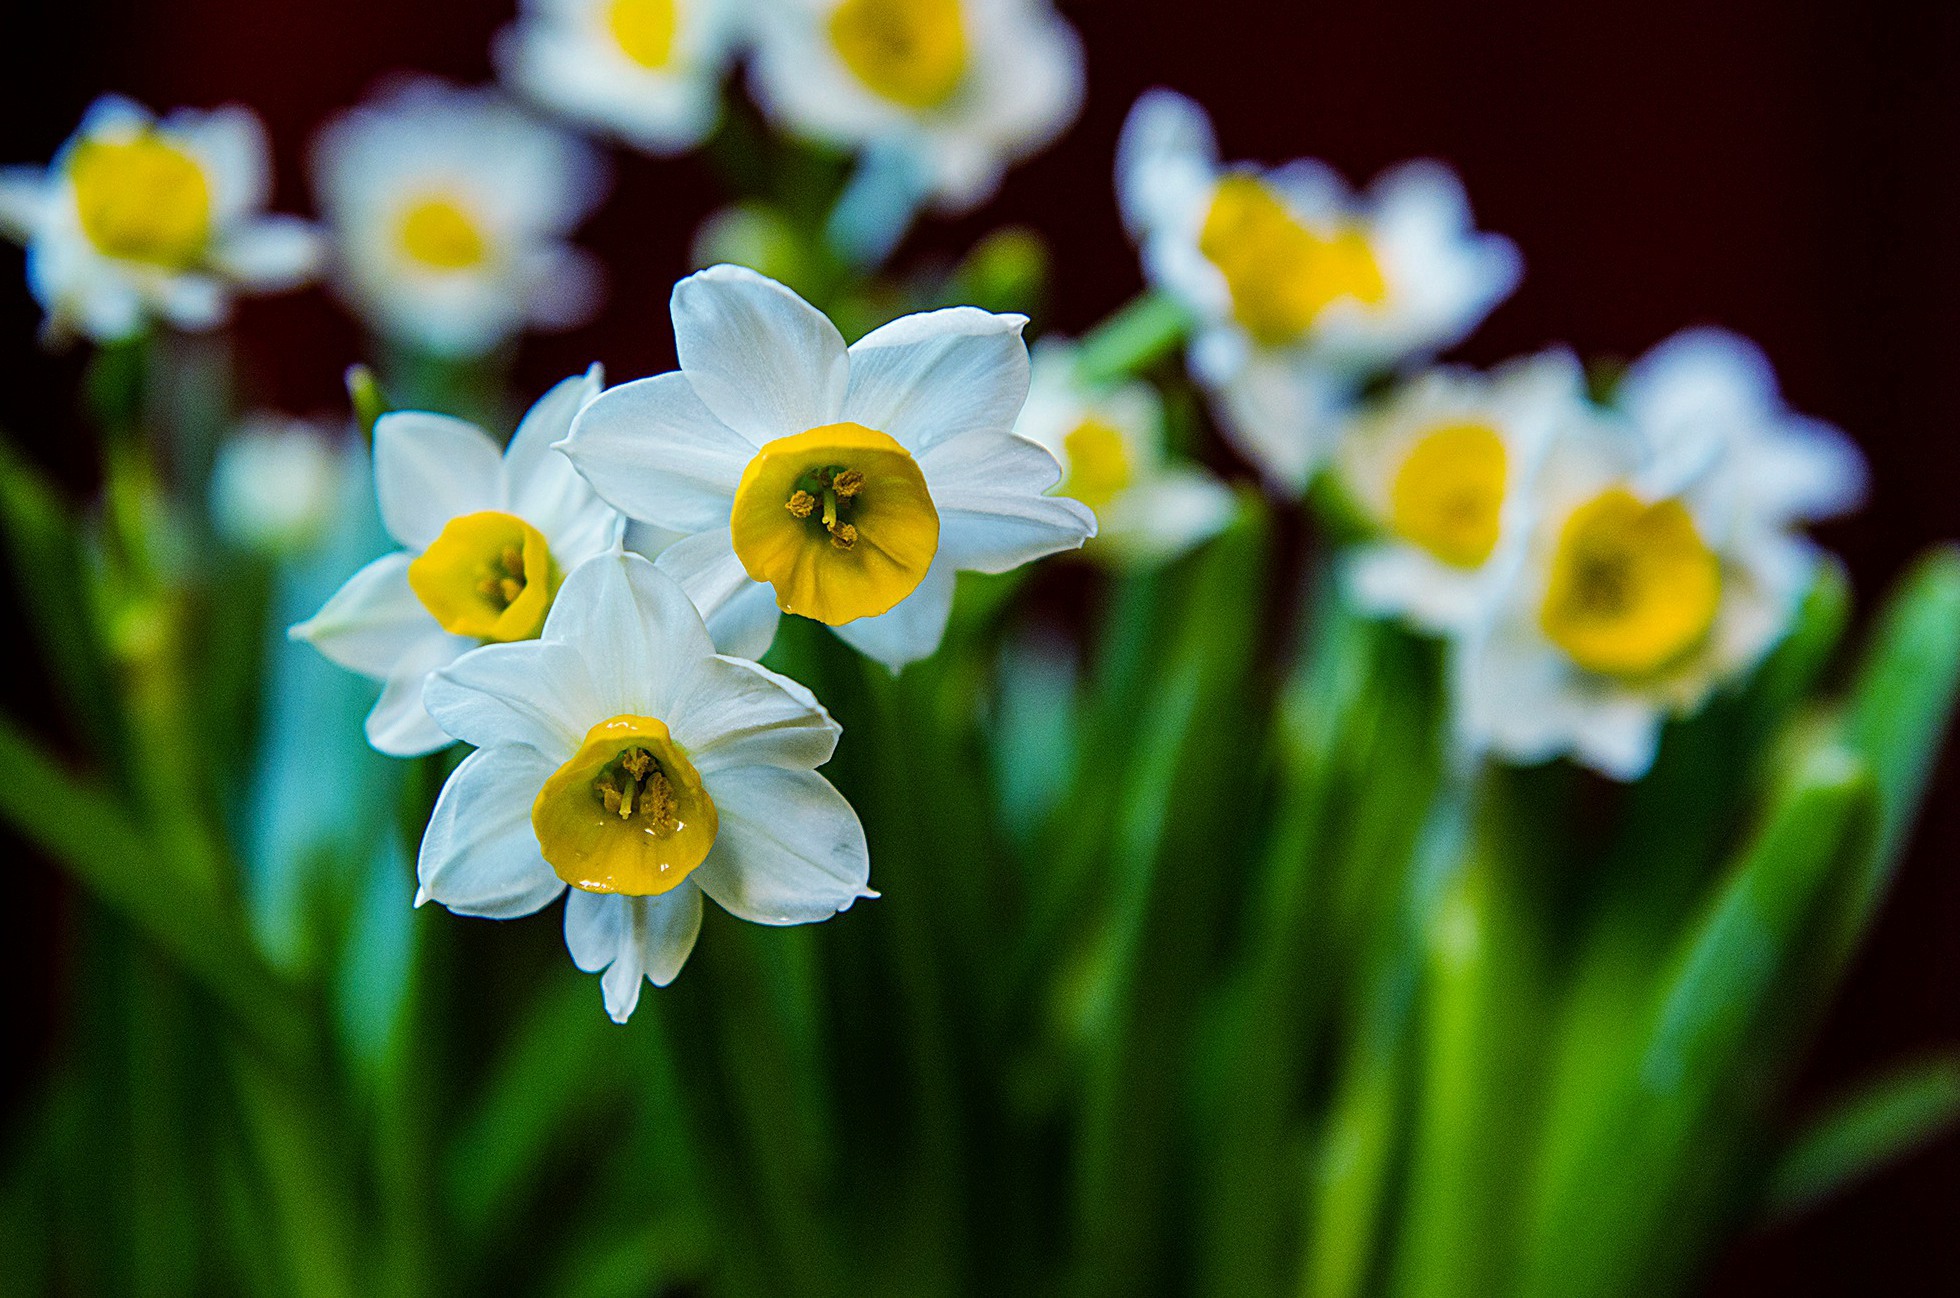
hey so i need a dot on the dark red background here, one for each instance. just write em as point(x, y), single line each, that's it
point(1785, 170)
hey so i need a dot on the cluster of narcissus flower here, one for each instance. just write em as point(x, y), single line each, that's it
point(445, 211)
point(618, 752)
point(1596, 568)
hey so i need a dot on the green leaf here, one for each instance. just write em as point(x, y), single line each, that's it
point(1899, 709)
point(84, 830)
point(1656, 1160)
point(1881, 1122)
point(1133, 339)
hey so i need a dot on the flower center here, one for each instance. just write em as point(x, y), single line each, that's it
point(143, 199)
point(488, 575)
point(627, 813)
point(912, 52)
point(1633, 586)
point(1098, 463)
point(838, 520)
point(644, 30)
point(1449, 493)
point(441, 234)
point(1280, 273)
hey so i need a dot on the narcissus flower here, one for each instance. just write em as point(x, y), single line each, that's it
point(488, 537)
point(620, 758)
point(843, 484)
point(1110, 441)
point(646, 71)
point(1444, 470)
point(140, 219)
point(958, 89)
point(449, 211)
point(1299, 285)
point(1649, 580)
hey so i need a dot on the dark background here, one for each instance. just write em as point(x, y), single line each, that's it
point(1788, 171)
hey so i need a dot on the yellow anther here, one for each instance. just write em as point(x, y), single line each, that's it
point(636, 763)
point(847, 484)
point(843, 536)
point(802, 504)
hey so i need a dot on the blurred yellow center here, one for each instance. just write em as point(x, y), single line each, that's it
point(912, 52)
point(142, 199)
point(1449, 493)
point(441, 233)
point(1281, 274)
point(644, 30)
point(627, 813)
point(1098, 463)
point(838, 520)
point(1633, 585)
point(489, 575)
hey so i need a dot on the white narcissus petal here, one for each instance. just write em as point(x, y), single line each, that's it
point(540, 485)
point(926, 378)
point(372, 620)
point(739, 713)
point(1165, 156)
point(399, 725)
point(429, 469)
point(479, 853)
point(635, 629)
point(25, 194)
point(789, 850)
point(1165, 515)
point(711, 573)
point(767, 363)
point(913, 629)
point(271, 252)
point(633, 939)
point(745, 626)
point(993, 513)
point(536, 693)
point(655, 453)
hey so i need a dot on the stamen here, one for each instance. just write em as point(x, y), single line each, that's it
point(802, 504)
point(510, 588)
point(513, 561)
point(844, 536)
point(848, 484)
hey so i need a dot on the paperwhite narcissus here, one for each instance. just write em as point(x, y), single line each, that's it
point(847, 485)
point(1444, 470)
point(1110, 442)
point(1299, 286)
point(959, 89)
point(645, 71)
point(140, 219)
point(1656, 570)
point(619, 757)
point(487, 538)
point(449, 210)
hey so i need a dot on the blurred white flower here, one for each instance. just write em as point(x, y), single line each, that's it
point(276, 483)
point(1299, 285)
point(140, 219)
point(1110, 442)
point(449, 210)
point(619, 756)
point(845, 485)
point(957, 90)
point(1708, 402)
point(1640, 591)
point(1444, 469)
point(487, 536)
point(645, 71)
